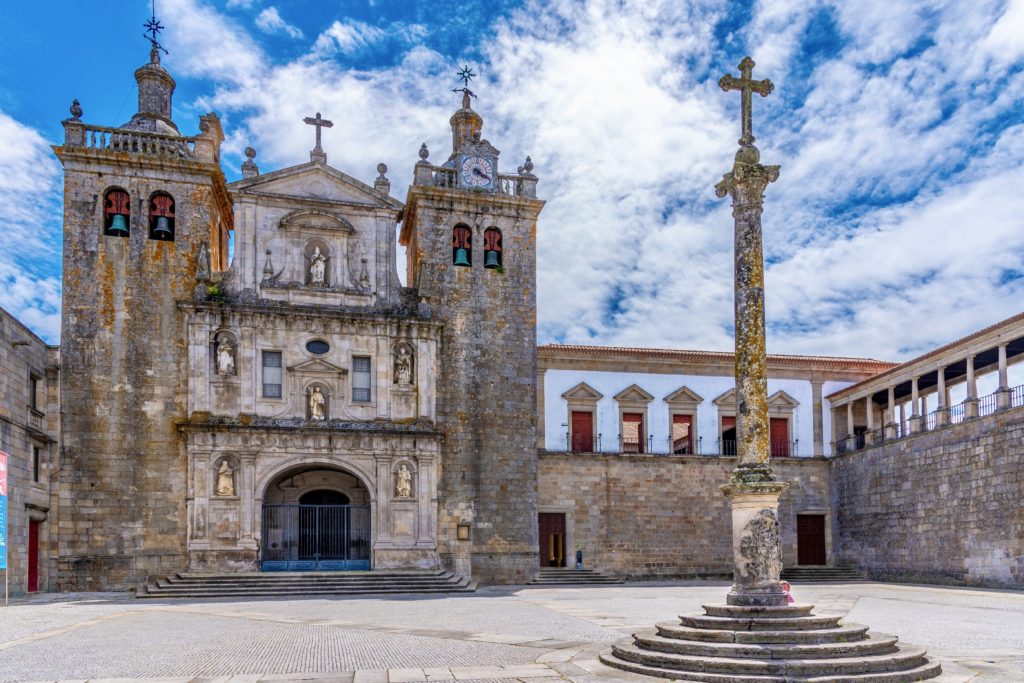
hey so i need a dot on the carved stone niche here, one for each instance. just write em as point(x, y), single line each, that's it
point(403, 500)
point(319, 266)
point(224, 477)
point(403, 382)
point(403, 476)
point(306, 377)
point(224, 373)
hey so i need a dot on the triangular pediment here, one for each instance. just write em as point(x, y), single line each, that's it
point(314, 181)
point(583, 392)
point(313, 219)
point(728, 398)
point(318, 367)
point(633, 394)
point(683, 395)
point(780, 399)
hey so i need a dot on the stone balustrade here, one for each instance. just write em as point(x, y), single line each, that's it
point(512, 185)
point(78, 134)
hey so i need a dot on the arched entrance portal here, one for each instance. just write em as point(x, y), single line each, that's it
point(316, 520)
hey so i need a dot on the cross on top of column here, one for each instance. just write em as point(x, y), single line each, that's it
point(746, 85)
point(317, 154)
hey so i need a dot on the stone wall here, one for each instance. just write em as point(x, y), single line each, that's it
point(942, 506)
point(23, 356)
point(649, 516)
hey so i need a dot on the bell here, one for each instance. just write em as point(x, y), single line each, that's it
point(163, 229)
point(491, 260)
point(118, 226)
point(461, 257)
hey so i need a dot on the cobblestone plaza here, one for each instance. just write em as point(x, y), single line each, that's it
point(493, 635)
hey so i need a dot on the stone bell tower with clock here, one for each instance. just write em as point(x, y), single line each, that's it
point(470, 238)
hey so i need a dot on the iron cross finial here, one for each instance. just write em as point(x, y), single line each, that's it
point(153, 28)
point(465, 75)
point(746, 85)
point(319, 122)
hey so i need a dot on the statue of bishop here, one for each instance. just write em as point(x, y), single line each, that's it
point(317, 405)
point(318, 269)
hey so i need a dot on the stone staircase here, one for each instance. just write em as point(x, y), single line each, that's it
point(810, 574)
point(561, 576)
point(732, 644)
point(297, 584)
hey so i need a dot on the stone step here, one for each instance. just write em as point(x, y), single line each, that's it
point(822, 574)
point(847, 633)
point(755, 624)
point(919, 673)
point(758, 612)
point(905, 657)
point(874, 644)
point(561, 576)
point(301, 584)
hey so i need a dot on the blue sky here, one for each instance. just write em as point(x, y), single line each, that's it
point(896, 224)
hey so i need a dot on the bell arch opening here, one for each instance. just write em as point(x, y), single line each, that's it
point(316, 518)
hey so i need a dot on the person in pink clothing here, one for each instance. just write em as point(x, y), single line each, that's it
point(786, 589)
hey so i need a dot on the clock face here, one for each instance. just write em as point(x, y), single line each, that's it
point(477, 172)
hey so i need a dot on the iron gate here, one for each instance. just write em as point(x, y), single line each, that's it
point(307, 538)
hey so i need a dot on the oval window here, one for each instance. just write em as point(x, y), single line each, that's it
point(318, 346)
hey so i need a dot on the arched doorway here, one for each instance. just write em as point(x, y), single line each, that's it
point(316, 519)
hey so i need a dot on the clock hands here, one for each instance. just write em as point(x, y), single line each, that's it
point(477, 171)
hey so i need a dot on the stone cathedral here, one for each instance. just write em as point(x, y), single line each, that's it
point(294, 407)
point(244, 385)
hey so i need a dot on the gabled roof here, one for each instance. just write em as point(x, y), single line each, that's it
point(283, 183)
point(683, 395)
point(633, 393)
point(318, 365)
point(780, 399)
point(583, 391)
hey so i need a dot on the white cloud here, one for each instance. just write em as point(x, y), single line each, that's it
point(348, 37)
point(240, 4)
point(270, 21)
point(29, 238)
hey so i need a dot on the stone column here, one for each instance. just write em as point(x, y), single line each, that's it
point(915, 406)
point(890, 415)
point(819, 422)
point(942, 411)
point(1003, 392)
point(753, 491)
point(869, 410)
point(851, 443)
point(246, 484)
point(971, 404)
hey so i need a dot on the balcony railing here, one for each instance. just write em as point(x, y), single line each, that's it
point(986, 405)
point(720, 448)
point(135, 142)
point(505, 184)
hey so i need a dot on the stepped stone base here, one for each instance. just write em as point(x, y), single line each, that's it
point(296, 584)
point(550, 576)
point(734, 644)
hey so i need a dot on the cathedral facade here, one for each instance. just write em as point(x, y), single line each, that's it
point(293, 407)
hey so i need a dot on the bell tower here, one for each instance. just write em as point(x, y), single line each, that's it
point(144, 207)
point(470, 235)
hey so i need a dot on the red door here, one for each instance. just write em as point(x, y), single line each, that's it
point(728, 436)
point(552, 539)
point(780, 437)
point(682, 434)
point(33, 556)
point(810, 539)
point(582, 432)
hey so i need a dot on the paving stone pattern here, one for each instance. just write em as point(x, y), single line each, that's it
point(499, 635)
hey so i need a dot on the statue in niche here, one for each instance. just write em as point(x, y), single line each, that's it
point(225, 479)
point(403, 365)
point(225, 358)
point(403, 485)
point(317, 405)
point(318, 269)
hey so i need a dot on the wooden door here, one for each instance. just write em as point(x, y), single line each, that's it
point(33, 556)
point(779, 434)
point(810, 539)
point(582, 432)
point(728, 438)
point(552, 539)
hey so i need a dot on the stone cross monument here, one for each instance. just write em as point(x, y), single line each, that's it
point(753, 491)
point(317, 153)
